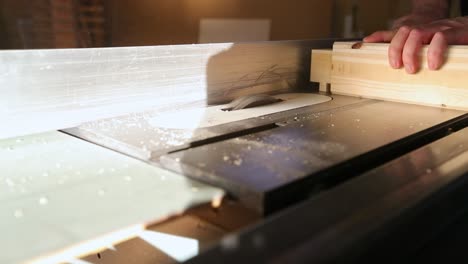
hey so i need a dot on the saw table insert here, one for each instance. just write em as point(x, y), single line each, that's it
point(153, 133)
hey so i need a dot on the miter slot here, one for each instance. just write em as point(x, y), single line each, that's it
point(223, 137)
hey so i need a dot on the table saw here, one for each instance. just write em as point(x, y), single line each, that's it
point(137, 154)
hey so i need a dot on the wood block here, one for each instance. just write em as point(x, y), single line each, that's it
point(365, 72)
point(321, 70)
point(61, 197)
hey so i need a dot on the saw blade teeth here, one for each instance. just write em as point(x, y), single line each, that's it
point(251, 101)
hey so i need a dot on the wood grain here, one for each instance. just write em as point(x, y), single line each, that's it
point(365, 72)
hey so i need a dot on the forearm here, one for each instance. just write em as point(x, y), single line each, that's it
point(436, 9)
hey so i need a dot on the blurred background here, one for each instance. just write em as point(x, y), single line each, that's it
point(26, 24)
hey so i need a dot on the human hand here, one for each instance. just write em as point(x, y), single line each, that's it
point(411, 20)
point(407, 40)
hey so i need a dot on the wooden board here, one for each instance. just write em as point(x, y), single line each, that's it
point(44, 90)
point(365, 72)
point(61, 197)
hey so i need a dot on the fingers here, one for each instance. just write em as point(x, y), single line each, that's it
point(412, 48)
point(406, 43)
point(405, 47)
point(396, 47)
point(379, 36)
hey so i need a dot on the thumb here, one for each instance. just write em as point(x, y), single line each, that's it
point(380, 36)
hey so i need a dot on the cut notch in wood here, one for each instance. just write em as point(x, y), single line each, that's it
point(321, 69)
